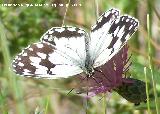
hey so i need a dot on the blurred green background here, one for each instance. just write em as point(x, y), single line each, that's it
point(21, 26)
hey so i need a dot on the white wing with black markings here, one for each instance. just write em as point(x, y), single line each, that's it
point(109, 35)
point(61, 53)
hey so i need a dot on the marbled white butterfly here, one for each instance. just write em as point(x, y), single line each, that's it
point(67, 51)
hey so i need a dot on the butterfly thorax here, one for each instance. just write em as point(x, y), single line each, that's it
point(89, 70)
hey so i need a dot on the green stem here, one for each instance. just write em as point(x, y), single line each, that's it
point(87, 102)
point(151, 64)
point(147, 92)
point(97, 9)
point(105, 104)
point(46, 105)
point(65, 13)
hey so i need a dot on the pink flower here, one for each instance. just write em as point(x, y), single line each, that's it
point(109, 76)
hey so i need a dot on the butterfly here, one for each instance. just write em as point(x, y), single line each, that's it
point(67, 51)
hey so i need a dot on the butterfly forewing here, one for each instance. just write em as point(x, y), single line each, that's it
point(118, 34)
point(99, 31)
point(60, 54)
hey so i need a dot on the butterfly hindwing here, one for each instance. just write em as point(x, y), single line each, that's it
point(68, 40)
point(33, 60)
point(61, 53)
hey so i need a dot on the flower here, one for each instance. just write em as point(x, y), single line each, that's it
point(112, 76)
point(109, 76)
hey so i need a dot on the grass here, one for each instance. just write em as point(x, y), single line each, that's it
point(147, 91)
point(104, 104)
point(14, 86)
point(46, 105)
point(151, 65)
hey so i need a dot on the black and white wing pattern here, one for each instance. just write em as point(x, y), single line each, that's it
point(109, 35)
point(61, 53)
point(99, 32)
point(68, 51)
